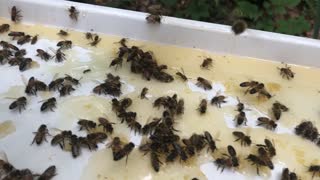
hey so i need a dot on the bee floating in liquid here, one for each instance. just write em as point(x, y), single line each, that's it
point(286, 72)
point(73, 13)
point(15, 14)
point(19, 104)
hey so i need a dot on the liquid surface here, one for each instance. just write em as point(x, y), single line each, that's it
point(300, 94)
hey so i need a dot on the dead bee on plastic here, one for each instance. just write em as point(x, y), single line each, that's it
point(125, 151)
point(59, 56)
point(178, 150)
point(277, 109)
point(25, 64)
point(244, 140)
point(49, 104)
point(116, 146)
point(24, 39)
point(67, 44)
point(35, 85)
point(240, 105)
point(43, 54)
point(60, 138)
point(287, 175)
point(63, 33)
point(206, 63)
point(19, 104)
point(143, 93)
point(218, 100)
point(116, 62)
point(268, 145)
point(66, 90)
point(256, 160)
point(73, 13)
point(182, 75)
point(203, 83)
point(4, 28)
point(155, 161)
point(86, 71)
point(203, 106)
point(16, 34)
point(89, 35)
point(286, 72)
point(314, 169)
point(75, 146)
point(106, 124)
point(267, 123)
point(180, 107)
point(20, 53)
point(239, 27)
point(249, 85)
point(210, 141)
point(95, 41)
point(86, 124)
point(149, 127)
point(154, 18)
point(8, 46)
point(134, 126)
point(241, 118)
point(48, 174)
point(15, 14)
point(41, 134)
point(56, 84)
point(264, 155)
point(34, 39)
point(72, 80)
point(307, 130)
point(230, 161)
point(97, 137)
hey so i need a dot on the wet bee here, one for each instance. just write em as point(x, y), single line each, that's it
point(73, 13)
point(72, 80)
point(116, 62)
point(256, 160)
point(239, 27)
point(86, 124)
point(249, 84)
point(15, 14)
point(89, 35)
point(149, 127)
point(240, 105)
point(48, 174)
point(206, 63)
point(277, 109)
point(210, 141)
point(8, 46)
point(244, 139)
point(97, 137)
point(182, 75)
point(20, 53)
point(264, 156)
point(218, 100)
point(34, 39)
point(60, 138)
point(59, 56)
point(67, 44)
point(177, 148)
point(106, 124)
point(25, 64)
point(314, 169)
point(267, 123)
point(116, 146)
point(49, 104)
point(203, 106)
point(16, 34)
point(230, 161)
point(95, 41)
point(19, 104)
point(155, 161)
point(66, 90)
point(24, 39)
point(241, 118)
point(63, 33)
point(204, 83)
point(125, 151)
point(4, 28)
point(268, 145)
point(154, 19)
point(35, 85)
point(56, 84)
point(199, 141)
point(143, 93)
point(86, 71)
point(180, 107)
point(134, 126)
point(43, 54)
point(286, 72)
point(75, 146)
point(41, 134)
point(307, 130)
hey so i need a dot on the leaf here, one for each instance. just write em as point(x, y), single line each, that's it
point(249, 10)
point(285, 3)
point(279, 10)
point(265, 24)
point(294, 26)
point(196, 10)
point(169, 3)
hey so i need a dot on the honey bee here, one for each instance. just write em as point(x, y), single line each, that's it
point(107, 126)
point(66, 90)
point(143, 93)
point(182, 75)
point(230, 161)
point(244, 140)
point(241, 118)
point(43, 54)
point(24, 39)
point(218, 100)
point(240, 105)
point(56, 84)
point(134, 125)
point(86, 124)
point(239, 27)
point(307, 130)
point(25, 64)
point(41, 134)
point(89, 35)
point(20, 53)
point(19, 104)
point(154, 19)
point(59, 56)
point(95, 41)
point(97, 137)
point(206, 63)
point(73, 13)
point(15, 14)
point(116, 62)
point(256, 160)
point(75, 146)
point(277, 109)
point(49, 104)
point(267, 123)
point(125, 151)
point(177, 149)
point(180, 107)
point(72, 80)
point(155, 161)
point(149, 127)
point(48, 174)
point(204, 83)
point(67, 44)
point(203, 106)
point(35, 85)
point(7, 46)
point(63, 33)
point(286, 72)
point(264, 156)
point(16, 34)
point(4, 28)
point(116, 146)
point(287, 175)
point(34, 39)
point(123, 42)
point(210, 141)
point(268, 145)
point(60, 138)
point(314, 169)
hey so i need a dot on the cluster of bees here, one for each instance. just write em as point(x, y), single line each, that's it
point(9, 172)
point(163, 143)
